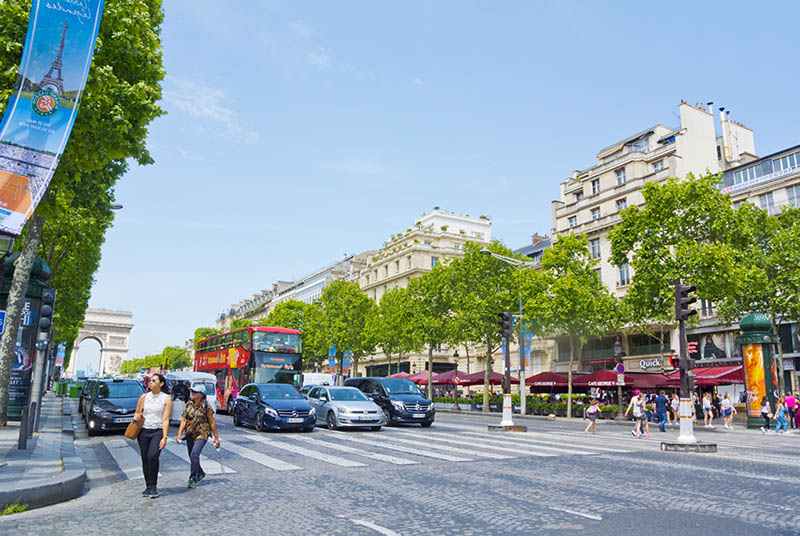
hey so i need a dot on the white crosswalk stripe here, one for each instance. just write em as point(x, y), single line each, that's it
point(458, 450)
point(261, 459)
point(408, 450)
point(335, 460)
point(500, 444)
point(553, 442)
point(211, 467)
point(350, 450)
point(127, 457)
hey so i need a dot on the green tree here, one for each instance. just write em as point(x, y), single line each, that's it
point(482, 287)
point(204, 333)
point(119, 102)
point(305, 318)
point(343, 322)
point(575, 302)
point(176, 357)
point(390, 326)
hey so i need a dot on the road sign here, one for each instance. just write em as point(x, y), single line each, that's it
point(2, 322)
point(620, 368)
point(620, 379)
point(456, 380)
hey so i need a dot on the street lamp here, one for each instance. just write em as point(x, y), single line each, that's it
point(522, 265)
point(372, 366)
point(618, 360)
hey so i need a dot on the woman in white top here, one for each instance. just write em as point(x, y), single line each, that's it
point(728, 411)
point(154, 408)
point(708, 412)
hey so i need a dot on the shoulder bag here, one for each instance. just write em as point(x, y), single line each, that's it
point(133, 429)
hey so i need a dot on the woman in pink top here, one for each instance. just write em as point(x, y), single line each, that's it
point(791, 406)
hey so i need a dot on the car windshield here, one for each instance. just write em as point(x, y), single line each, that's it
point(278, 390)
point(284, 343)
point(347, 394)
point(119, 390)
point(397, 386)
point(210, 388)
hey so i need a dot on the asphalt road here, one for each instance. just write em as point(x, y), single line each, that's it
point(454, 478)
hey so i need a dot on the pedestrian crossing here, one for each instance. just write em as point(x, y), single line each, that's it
point(357, 449)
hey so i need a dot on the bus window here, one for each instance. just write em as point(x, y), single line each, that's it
point(276, 342)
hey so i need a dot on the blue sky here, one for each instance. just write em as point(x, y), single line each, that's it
point(300, 131)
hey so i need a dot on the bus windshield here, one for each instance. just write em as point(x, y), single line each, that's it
point(277, 368)
point(284, 343)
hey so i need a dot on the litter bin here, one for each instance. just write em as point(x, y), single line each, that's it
point(73, 391)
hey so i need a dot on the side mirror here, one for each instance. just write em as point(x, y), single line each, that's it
point(376, 394)
point(323, 398)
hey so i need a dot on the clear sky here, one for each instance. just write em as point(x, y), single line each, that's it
point(301, 131)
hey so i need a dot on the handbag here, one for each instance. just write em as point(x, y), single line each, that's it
point(133, 429)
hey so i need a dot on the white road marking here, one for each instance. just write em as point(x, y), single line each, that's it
point(350, 450)
point(538, 441)
point(509, 446)
point(261, 459)
point(580, 514)
point(211, 467)
point(407, 450)
point(335, 460)
point(376, 528)
point(468, 452)
point(127, 458)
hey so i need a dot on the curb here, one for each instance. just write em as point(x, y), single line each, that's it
point(65, 486)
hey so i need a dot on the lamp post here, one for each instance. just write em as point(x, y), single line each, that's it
point(521, 265)
point(455, 385)
point(372, 366)
point(618, 359)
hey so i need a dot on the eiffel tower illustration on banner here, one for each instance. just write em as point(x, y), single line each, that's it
point(49, 81)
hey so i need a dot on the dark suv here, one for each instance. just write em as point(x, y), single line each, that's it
point(112, 405)
point(400, 399)
point(273, 406)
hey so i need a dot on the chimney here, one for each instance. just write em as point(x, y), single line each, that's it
point(710, 107)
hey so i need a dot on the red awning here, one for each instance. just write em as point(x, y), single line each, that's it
point(420, 378)
point(477, 378)
point(548, 379)
point(711, 376)
point(446, 378)
point(608, 378)
point(400, 375)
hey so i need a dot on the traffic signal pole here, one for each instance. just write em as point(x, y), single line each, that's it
point(687, 419)
point(507, 424)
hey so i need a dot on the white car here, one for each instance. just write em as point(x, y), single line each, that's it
point(345, 406)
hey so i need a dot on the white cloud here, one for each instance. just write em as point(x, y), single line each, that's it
point(209, 105)
point(320, 58)
point(419, 82)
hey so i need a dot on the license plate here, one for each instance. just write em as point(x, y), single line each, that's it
point(294, 419)
point(418, 415)
point(363, 418)
point(123, 419)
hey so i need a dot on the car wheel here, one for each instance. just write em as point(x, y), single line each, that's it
point(331, 420)
point(236, 420)
point(426, 424)
point(375, 428)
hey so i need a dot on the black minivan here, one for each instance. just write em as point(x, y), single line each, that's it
point(400, 399)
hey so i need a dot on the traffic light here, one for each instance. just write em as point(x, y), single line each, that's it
point(506, 328)
point(675, 361)
point(46, 309)
point(683, 301)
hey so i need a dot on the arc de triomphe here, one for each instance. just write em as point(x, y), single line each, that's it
point(112, 329)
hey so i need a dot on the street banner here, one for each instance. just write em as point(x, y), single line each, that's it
point(61, 350)
point(41, 110)
point(22, 368)
point(331, 365)
point(755, 386)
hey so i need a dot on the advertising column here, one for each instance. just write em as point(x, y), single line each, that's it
point(760, 376)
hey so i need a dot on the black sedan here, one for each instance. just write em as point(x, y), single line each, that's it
point(112, 405)
point(273, 406)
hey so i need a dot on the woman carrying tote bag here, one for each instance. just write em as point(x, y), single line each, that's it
point(156, 406)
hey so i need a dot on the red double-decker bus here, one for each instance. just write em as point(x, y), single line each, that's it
point(258, 354)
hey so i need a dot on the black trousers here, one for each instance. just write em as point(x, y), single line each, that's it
point(149, 438)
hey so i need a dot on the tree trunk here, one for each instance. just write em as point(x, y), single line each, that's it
point(486, 373)
point(569, 376)
point(779, 368)
point(430, 372)
point(16, 298)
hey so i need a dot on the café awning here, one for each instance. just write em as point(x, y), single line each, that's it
point(548, 379)
point(477, 378)
point(710, 376)
point(446, 378)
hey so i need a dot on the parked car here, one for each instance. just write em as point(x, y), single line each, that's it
point(345, 406)
point(304, 390)
point(112, 405)
point(399, 398)
point(273, 406)
point(85, 393)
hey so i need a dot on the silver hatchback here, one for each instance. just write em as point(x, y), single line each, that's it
point(345, 406)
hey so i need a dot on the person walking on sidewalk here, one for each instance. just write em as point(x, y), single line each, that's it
point(156, 407)
point(780, 416)
point(591, 414)
point(791, 408)
point(661, 410)
point(708, 411)
point(637, 406)
point(198, 424)
point(728, 411)
point(766, 414)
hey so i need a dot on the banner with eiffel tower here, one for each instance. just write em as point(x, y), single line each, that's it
point(37, 122)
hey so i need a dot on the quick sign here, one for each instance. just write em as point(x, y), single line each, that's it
point(650, 363)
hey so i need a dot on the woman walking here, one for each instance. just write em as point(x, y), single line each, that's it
point(154, 408)
point(780, 416)
point(766, 414)
point(728, 411)
point(637, 405)
point(591, 414)
point(708, 411)
point(198, 423)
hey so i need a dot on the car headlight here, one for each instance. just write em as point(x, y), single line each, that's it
point(313, 411)
point(340, 409)
point(398, 405)
point(99, 411)
point(270, 411)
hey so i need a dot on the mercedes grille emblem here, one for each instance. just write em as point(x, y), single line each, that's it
point(294, 413)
